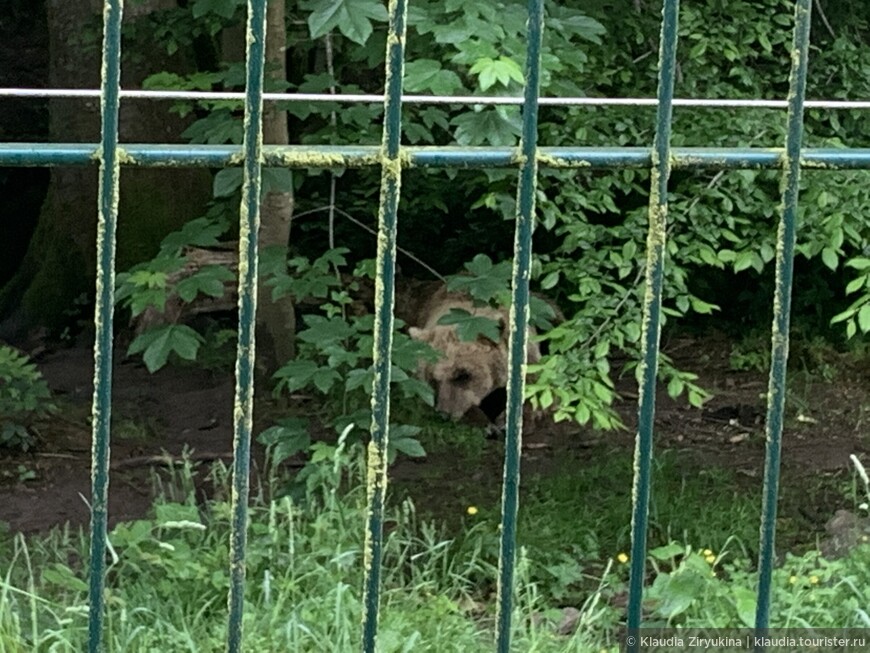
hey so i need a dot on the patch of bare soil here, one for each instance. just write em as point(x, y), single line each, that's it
point(152, 415)
point(190, 409)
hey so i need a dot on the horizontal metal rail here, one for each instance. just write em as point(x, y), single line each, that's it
point(369, 98)
point(361, 156)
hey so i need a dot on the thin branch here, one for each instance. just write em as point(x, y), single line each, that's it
point(373, 232)
point(821, 14)
point(333, 120)
point(628, 292)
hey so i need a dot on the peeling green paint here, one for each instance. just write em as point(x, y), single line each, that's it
point(661, 160)
point(391, 159)
point(363, 156)
point(243, 407)
point(313, 159)
point(551, 161)
point(392, 168)
point(101, 414)
point(124, 157)
point(527, 160)
point(785, 251)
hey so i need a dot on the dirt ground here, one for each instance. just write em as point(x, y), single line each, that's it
point(188, 408)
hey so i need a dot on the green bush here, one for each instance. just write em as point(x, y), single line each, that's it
point(24, 398)
point(592, 223)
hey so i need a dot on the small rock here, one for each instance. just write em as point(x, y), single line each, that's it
point(846, 530)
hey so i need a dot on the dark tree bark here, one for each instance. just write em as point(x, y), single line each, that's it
point(59, 265)
point(276, 319)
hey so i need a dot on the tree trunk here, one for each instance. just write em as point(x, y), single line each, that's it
point(59, 266)
point(276, 320)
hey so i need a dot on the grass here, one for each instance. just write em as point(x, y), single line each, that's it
point(167, 580)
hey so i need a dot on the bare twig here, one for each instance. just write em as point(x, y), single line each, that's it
point(821, 14)
point(333, 120)
point(367, 228)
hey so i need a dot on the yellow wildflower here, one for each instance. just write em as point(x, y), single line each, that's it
point(471, 510)
point(622, 558)
point(814, 580)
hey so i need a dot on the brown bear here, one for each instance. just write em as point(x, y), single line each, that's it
point(468, 371)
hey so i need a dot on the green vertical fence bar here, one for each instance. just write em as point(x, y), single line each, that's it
point(785, 246)
point(249, 226)
point(519, 318)
point(103, 315)
point(391, 175)
point(652, 307)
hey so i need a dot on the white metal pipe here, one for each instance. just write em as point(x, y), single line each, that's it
point(427, 99)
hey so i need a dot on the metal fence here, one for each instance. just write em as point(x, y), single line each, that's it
point(393, 158)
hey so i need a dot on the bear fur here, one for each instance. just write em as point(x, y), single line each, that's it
point(468, 371)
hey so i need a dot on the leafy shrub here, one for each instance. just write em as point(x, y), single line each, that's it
point(24, 397)
point(592, 223)
point(335, 359)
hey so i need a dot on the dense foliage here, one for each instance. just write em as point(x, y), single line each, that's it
point(24, 399)
point(590, 240)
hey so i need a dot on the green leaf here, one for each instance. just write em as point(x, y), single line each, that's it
point(202, 232)
point(499, 126)
point(675, 387)
point(324, 330)
point(208, 281)
point(277, 180)
point(157, 344)
point(174, 512)
point(325, 378)
point(745, 259)
point(403, 440)
point(845, 315)
point(541, 313)
point(353, 18)
point(632, 331)
point(550, 281)
point(227, 182)
point(745, 602)
point(61, 575)
point(486, 281)
point(856, 284)
point(428, 75)
point(864, 318)
point(469, 327)
point(287, 438)
point(830, 258)
point(702, 307)
point(491, 71)
point(666, 552)
point(360, 379)
point(296, 374)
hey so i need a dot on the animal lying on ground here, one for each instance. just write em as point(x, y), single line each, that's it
point(468, 372)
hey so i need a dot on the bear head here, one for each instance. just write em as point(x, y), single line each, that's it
point(466, 372)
